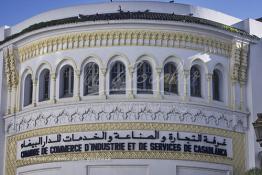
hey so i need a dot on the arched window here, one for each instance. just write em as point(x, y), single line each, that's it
point(118, 78)
point(44, 85)
point(91, 79)
point(66, 81)
point(28, 90)
point(170, 79)
point(195, 82)
point(144, 78)
point(216, 85)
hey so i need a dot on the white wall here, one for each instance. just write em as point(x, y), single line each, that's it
point(125, 167)
point(4, 32)
point(253, 27)
point(254, 101)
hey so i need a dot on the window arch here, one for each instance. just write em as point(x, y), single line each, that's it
point(91, 79)
point(28, 90)
point(44, 85)
point(118, 78)
point(144, 78)
point(217, 85)
point(66, 81)
point(195, 82)
point(170, 79)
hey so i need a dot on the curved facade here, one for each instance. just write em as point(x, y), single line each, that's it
point(142, 88)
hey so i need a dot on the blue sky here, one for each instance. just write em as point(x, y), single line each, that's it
point(14, 11)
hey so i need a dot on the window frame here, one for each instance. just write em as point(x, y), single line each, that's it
point(117, 65)
point(217, 86)
point(28, 91)
point(94, 74)
point(66, 86)
point(175, 85)
point(196, 89)
point(42, 85)
point(147, 85)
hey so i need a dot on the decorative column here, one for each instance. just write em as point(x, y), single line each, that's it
point(233, 94)
point(158, 73)
point(8, 111)
point(209, 87)
point(18, 97)
point(185, 76)
point(130, 91)
point(102, 86)
point(77, 86)
point(34, 92)
point(53, 88)
point(13, 99)
point(242, 86)
point(10, 60)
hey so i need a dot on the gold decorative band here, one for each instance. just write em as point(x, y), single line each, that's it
point(238, 161)
point(125, 38)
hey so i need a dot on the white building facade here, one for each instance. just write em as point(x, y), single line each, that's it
point(130, 88)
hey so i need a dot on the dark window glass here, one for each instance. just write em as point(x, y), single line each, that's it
point(44, 85)
point(144, 78)
point(216, 85)
point(28, 90)
point(195, 82)
point(118, 78)
point(67, 83)
point(91, 79)
point(170, 79)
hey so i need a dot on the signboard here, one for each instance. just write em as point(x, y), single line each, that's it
point(124, 140)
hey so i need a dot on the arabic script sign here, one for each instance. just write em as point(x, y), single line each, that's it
point(128, 140)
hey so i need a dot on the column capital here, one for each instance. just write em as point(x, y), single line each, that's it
point(131, 69)
point(35, 82)
point(186, 72)
point(77, 73)
point(209, 76)
point(159, 70)
point(53, 75)
point(103, 71)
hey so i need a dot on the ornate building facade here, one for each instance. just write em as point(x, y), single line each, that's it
point(130, 88)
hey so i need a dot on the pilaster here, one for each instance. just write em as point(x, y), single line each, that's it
point(209, 87)
point(77, 86)
point(130, 82)
point(102, 90)
point(53, 88)
point(185, 77)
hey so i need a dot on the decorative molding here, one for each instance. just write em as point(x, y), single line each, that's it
point(238, 161)
point(124, 38)
point(10, 56)
point(10, 63)
point(126, 112)
point(239, 61)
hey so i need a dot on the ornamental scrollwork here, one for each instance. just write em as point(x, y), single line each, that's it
point(127, 112)
point(125, 38)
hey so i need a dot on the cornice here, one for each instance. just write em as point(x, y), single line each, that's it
point(146, 15)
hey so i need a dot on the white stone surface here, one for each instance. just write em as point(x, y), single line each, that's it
point(142, 167)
